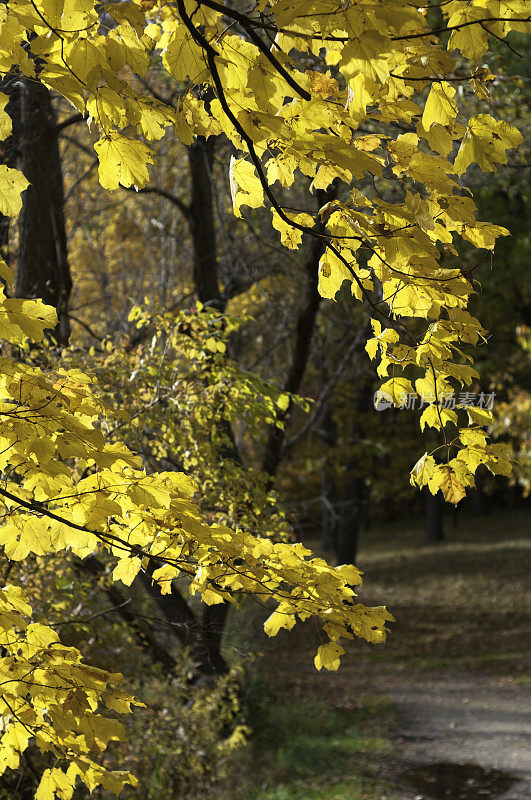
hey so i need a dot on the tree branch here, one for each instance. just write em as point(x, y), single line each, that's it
point(253, 36)
point(325, 394)
point(66, 123)
point(173, 199)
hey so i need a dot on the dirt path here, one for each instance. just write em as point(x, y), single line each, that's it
point(454, 665)
point(465, 720)
point(458, 717)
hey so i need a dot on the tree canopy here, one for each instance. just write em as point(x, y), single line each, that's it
point(316, 92)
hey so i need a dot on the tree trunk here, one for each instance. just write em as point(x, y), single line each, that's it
point(202, 637)
point(202, 225)
point(479, 497)
point(349, 521)
point(42, 269)
point(303, 339)
point(140, 628)
point(329, 521)
point(355, 493)
point(434, 517)
point(213, 624)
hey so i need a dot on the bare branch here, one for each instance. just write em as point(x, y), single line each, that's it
point(173, 199)
point(66, 123)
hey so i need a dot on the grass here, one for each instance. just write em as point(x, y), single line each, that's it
point(308, 749)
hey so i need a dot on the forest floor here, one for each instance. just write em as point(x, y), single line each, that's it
point(450, 688)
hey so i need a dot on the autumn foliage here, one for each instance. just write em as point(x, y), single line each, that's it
point(319, 90)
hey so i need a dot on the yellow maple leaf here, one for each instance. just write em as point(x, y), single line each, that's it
point(54, 785)
point(126, 570)
point(5, 119)
point(12, 184)
point(245, 186)
point(485, 142)
point(446, 479)
point(322, 84)
point(329, 656)
point(281, 618)
point(367, 55)
point(182, 57)
point(423, 470)
point(396, 389)
point(440, 106)
point(471, 40)
point(123, 161)
point(332, 273)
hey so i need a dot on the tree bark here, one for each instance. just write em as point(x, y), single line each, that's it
point(213, 625)
point(202, 224)
point(141, 629)
point(349, 520)
point(434, 518)
point(303, 340)
point(201, 636)
point(479, 497)
point(355, 494)
point(42, 269)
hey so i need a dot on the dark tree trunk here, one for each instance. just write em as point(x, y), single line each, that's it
point(479, 497)
point(303, 340)
point(355, 495)
point(212, 628)
point(329, 518)
point(140, 628)
point(42, 269)
point(434, 517)
point(202, 224)
point(201, 636)
point(349, 521)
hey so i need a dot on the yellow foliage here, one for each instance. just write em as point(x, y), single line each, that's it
point(65, 487)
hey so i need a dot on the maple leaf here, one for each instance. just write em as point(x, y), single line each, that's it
point(245, 186)
point(471, 40)
point(329, 656)
point(182, 57)
point(54, 785)
point(5, 120)
point(446, 479)
point(126, 570)
point(122, 161)
point(440, 107)
point(367, 56)
point(12, 184)
point(423, 470)
point(485, 142)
